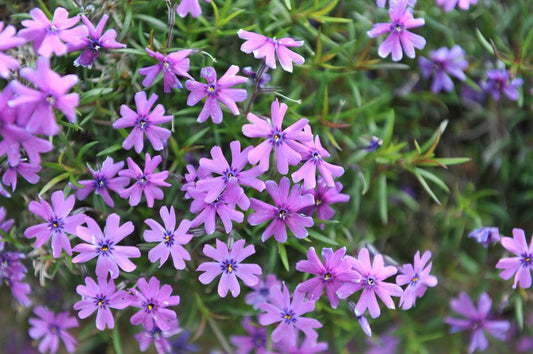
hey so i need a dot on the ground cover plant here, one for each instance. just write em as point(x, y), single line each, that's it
point(237, 176)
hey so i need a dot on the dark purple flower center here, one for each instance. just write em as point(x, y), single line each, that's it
point(100, 183)
point(142, 121)
point(105, 248)
point(370, 281)
point(397, 27)
point(169, 238)
point(316, 156)
point(166, 66)
point(264, 291)
point(287, 315)
point(229, 266)
point(150, 305)
point(53, 328)
point(374, 144)
point(276, 137)
point(143, 179)
point(259, 339)
point(328, 276)
point(56, 224)
point(95, 46)
point(282, 213)
point(230, 174)
point(527, 260)
point(415, 279)
point(101, 301)
point(50, 99)
point(52, 29)
point(211, 89)
point(156, 332)
point(318, 201)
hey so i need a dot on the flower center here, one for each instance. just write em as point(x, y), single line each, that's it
point(264, 291)
point(527, 260)
point(143, 179)
point(370, 281)
point(398, 27)
point(277, 137)
point(282, 214)
point(211, 89)
point(51, 100)
point(166, 65)
point(100, 182)
point(318, 201)
point(169, 238)
point(53, 28)
point(316, 155)
point(229, 266)
point(288, 316)
point(56, 225)
point(142, 122)
point(259, 340)
point(53, 328)
point(150, 306)
point(327, 276)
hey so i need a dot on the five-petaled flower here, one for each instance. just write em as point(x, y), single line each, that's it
point(223, 206)
point(172, 64)
point(8, 40)
point(189, 6)
point(498, 82)
point(51, 328)
point(442, 63)
point(417, 278)
point(449, 5)
point(521, 265)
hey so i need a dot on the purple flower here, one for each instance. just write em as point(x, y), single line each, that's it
point(265, 77)
point(498, 82)
point(255, 341)
point(261, 291)
point(324, 197)
point(476, 320)
point(5, 225)
point(374, 144)
point(101, 297)
point(223, 206)
point(172, 64)
point(27, 170)
point(216, 91)
point(8, 40)
point(231, 177)
point(417, 278)
point(146, 181)
point(284, 213)
point(95, 42)
point(449, 5)
point(51, 328)
point(442, 62)
point(191, 179)
point(105, 246)
point(144, 122)
point(381, 3)
point(51, 93)
point(51, 37)
point(158, 337)
point(181, 345)
point(308, 346)
point(58, 222)
point(401, 20)
point(268, 48)
point(384, 344)
point(335, 271)
point(103, 181)
point(191, 6)
point(289, 314)
point(485, 235)
point(12, 272)
point(153, 302)
point(284, 142)
point(228, 264)
point(170, 238)
point(521, 265)
point(372, 282)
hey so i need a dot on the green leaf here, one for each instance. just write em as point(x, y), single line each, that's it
point(83, 150)
point(484, 41)
point(426, 186)
point(389, 127)
point(448, 161)
point(94, 94)
point(283, 256)
point(382, 197)
point(109, 150)
point(316, 235)
point(53, 182)
point(196, 137)
point(116, 340)
point(519, 311)
point(433, 178)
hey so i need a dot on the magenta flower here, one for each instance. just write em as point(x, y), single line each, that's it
point(372, 282)
point(476, 320)
point(442, 62)
point(268, 48)
point(289, 314)
point(190, 6)
point(255, 341)
point(284, 142)
point(51, 93)
point(284, 213)
point(172, 64)
point(485, 235)
point(228, 263)
point(103, 181)
point(449, 5)
point(50, 328)
point(216, 91)
point(335, 271)
point(401, 20)
point(223, 206)
point(521, 265)
point(8, 40)
point(104, 245)
point(158, 337)
point(170, 238)
point(146, 181)
point(153, 302)
point(51, 37)
point(144, 122)
point(191, 179)
point(58, 222)
point(101, 297)
point(261, 291)
point(231, 177)
point(498, 82)
point(95, 42)
point(417, 278)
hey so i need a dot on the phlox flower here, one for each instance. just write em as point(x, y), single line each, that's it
point(8, 40)
point(485, 235)
point(52, 37)
point(476, 320)
point(284, 212)
point(228, 265)
point(307, 346)
point(181, 343)
point(265, 77)
point(255, 341)
point(442, 63)
point(191, 179)
point(268, 48)
point(50, 328)
point(171, 238)
point(100, 297)
point(521, 265)
point(28, 171)
point(57, 222)
point(449, 5)
point(144, 122)
point(401, 20)
point(381, 3)
point(417, 278)
point(261, 291)
point(189, 6)
point(104, 245)
point(217, 91)
point(172, 64)
point(5, 225)
point(223, 206)
point(498, 82)
point(12, 271)
point(158, 337)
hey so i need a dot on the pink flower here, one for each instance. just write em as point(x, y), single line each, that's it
point(172, 64)
point(50, 328)
point(8, 40)
point(521, 265)
point(223, 206)
point(417, 278)
point(191, 6)
point(449, 5)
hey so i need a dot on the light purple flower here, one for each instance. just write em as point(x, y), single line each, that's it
point(216, 91)
point(158, 337)
point(191, 179)
point(335, 271)
point(5, 225)
point(417, 278)
point(144, 122)
point(51, 93)
point(442, 62)
point(223, 206)
point(172, 64)
point(101, 297)
point(50, 328)
point(381, 3)
point(95, 42)
point(485, 235)
point(231, 177)
point(265, 77)
point(289, 314)
point(58, 222)
point(522, 264)
point(268, 48)
point(476, 320)
point(372, 281)
point(498, 82)
point(12, 271)
point(146, 181)
point(28, 171)
point(8, 40)
point(401, 20)
point(228, 264)
point(153, 302)
point(284, 213)
point(308, 346)
point(261, 291)
point(103, 181)
point(190, 6)
point(104, 245)
point(449, 5)
point(384, 344)
point(255, 341)
point(51, 37)
point(284, 142)
point(170, 238)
